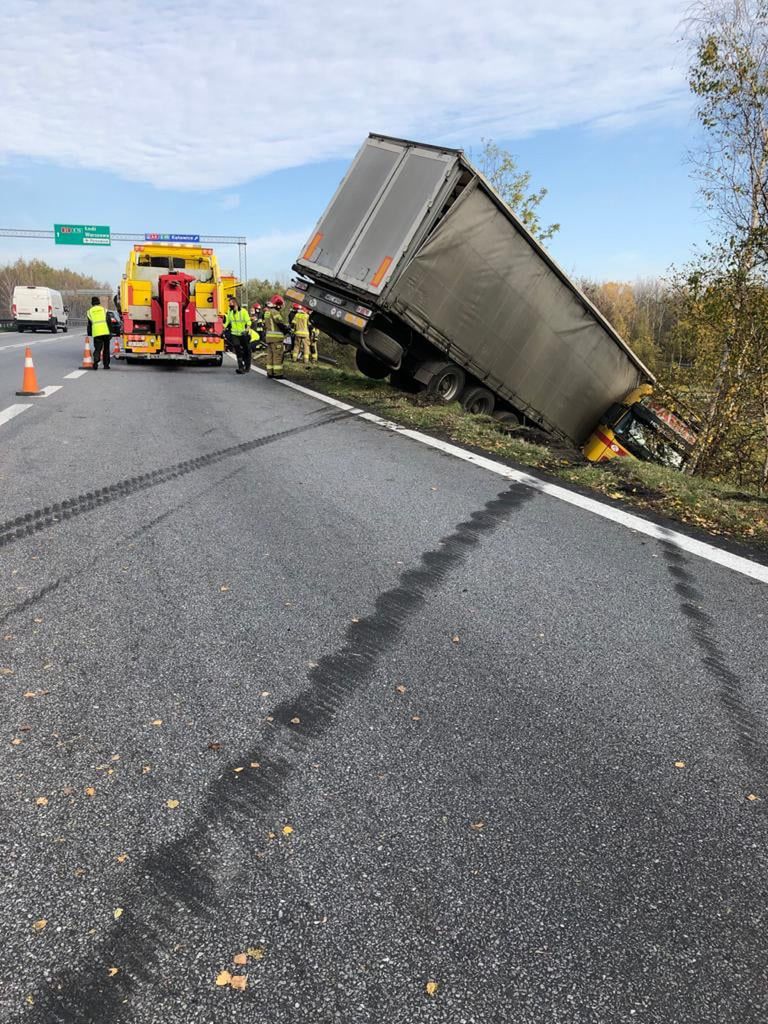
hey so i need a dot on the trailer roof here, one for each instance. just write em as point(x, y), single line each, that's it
point(535, 244)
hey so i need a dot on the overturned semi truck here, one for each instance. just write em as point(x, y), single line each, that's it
point(419, 264)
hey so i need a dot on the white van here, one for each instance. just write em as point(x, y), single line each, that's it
point(38, 309)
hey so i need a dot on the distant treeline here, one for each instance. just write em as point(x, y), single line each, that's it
point(37, 272)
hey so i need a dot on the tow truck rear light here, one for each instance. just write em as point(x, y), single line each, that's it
point(13, 309)
point(50, 310)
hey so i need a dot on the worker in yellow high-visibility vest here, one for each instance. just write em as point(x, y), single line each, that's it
point(98, 329)
point(301, 334)
point(237, 323)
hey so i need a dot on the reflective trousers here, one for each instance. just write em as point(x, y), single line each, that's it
point(301, 348)
point(275, 355)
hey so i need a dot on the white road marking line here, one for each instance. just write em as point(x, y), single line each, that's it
point(701, 549)
point(11, 411)
point(35, 341)
point(74, 375)
point(51, 389)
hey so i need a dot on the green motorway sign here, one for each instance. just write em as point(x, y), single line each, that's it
point(81, 234)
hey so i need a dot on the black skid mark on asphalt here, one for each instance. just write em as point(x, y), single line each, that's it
point(751, 733)
point(179, 878)
point(33, 522)
point(142, 533)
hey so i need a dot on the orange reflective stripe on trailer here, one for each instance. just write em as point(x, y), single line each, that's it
point(310, 250)
point(384, 266)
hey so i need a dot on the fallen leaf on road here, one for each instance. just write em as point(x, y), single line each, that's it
point(296, 721)
point(477, 825)
point(223, 978)
point(256, 952)
point(679, 764)
point(30, 1000)
point(271, 835)
point(30, 694)
point(39, 925)
point(156, 721)
point(47, 665)
point(269, 718)
point(223, 589)
point(78, 872)
point(400, 689)
point(9, 636)
point(5, 671)
point(240, 959)
point(214, 746)
point(25, 728)
point(265, 693)
point(415, 718)
point(15, 742)
point(38, 620)
point(121, 858)
point(117, 913)
point(431, 987)
point(112, 971)
point(146, 768)
point(42, 801)
point(752, 796)
point(287, 830)
point(68, 791)
point(455, 639)
point(172, 804)
point(255, 764)
point(90, 791)
point(355, 620)
point(237, 769)
point(239, 982)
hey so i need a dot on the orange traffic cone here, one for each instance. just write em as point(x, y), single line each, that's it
point(87, 363)
point(29, 386)
point(116, 353)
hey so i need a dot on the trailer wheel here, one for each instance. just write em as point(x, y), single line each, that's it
point(507, 417)
point(478, 401)
point(371, 367)
point(447, 383)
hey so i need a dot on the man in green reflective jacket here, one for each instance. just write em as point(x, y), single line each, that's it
point(98, 329)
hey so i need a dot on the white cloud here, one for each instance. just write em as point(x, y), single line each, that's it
point(160, 93)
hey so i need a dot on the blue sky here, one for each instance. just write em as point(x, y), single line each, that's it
point(591, 99)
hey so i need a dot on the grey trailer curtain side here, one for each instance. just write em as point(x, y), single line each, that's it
point(483, 287)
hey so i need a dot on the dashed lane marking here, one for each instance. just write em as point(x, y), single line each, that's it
point(11, 411)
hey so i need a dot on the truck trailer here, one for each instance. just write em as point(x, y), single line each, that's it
point(420, 265)
point(173, 299)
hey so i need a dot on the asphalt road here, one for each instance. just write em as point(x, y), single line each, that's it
point(421, 727)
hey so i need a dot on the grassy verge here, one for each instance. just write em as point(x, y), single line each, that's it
point(718, 509)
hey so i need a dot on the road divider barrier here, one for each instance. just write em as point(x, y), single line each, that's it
point(29, 386)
